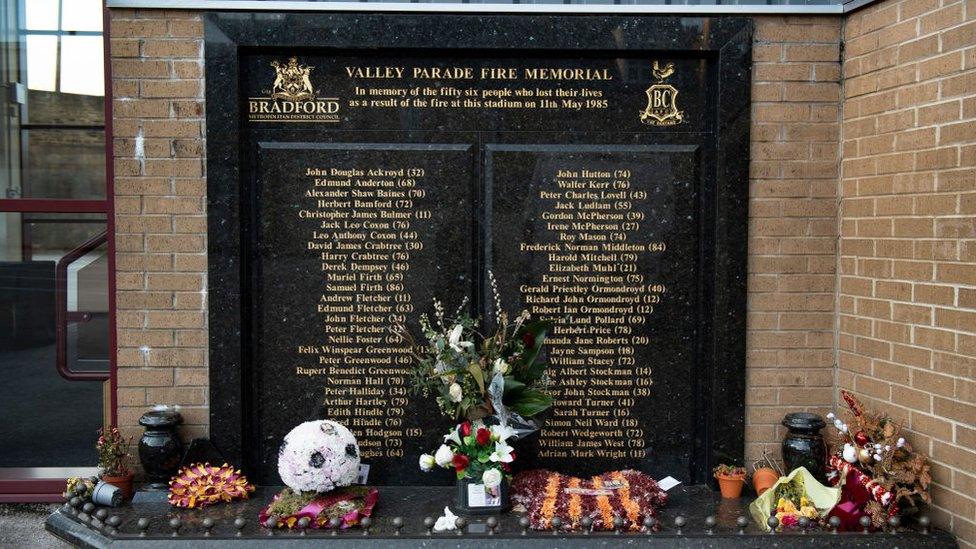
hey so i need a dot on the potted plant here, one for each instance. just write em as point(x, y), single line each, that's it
point(730, 478)
point(481, 459)
point(113, 460)
point(765, 473)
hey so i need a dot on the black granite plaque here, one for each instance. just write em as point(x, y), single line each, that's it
point(361, 165)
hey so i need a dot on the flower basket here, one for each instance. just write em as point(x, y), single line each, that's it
point(474, 498)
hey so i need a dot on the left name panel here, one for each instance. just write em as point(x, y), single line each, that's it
point(350, 238)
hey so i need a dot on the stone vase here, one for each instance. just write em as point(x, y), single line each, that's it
point(160, 449)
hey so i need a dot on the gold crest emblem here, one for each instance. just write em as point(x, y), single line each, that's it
point(292, 81)
point(662, 100)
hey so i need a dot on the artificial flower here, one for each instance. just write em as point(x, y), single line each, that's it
point(850, 453)
point(455, 392)
point(460, 462)
point(443, 456)
point(503, 453)
point(500, 366)
point(202, 484)
point(483, 436)
point(454, 339)
point(465, 428)
point(453, 436)
point(427, 462)
point(491, 478)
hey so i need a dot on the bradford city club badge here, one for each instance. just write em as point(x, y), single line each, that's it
point(662, 100)
point(292, 81)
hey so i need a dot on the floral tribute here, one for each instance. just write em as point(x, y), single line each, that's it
point(113, 452)
point(879, 472)
point(476, 451)
point(202, 484)
point(319, 461)
point(473, 375)
point(629, 494)
point(350, 505)
point(318, 456)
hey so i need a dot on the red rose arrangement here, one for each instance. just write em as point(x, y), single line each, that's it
point(476, 451)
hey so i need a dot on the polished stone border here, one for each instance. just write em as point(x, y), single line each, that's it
point(725, 41)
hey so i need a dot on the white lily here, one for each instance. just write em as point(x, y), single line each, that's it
point(454, 339)
point(502, 432)
point(502, 453)
point(453, 436)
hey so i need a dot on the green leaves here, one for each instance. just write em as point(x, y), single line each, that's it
point(529, 402)
point(533, 336)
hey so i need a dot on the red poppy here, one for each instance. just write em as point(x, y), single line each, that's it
point(465, 428)
point(460, 462)
point(483, 436)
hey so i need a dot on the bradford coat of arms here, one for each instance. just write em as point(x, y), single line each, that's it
point(292, 82)
point(662, 99)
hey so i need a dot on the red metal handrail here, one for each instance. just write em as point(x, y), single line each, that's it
point(62, 316)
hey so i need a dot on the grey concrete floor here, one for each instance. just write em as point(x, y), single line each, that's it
point(22, 525)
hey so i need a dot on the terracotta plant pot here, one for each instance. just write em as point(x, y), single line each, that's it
point(763, 479)
point(123, 483)
point(731, 486)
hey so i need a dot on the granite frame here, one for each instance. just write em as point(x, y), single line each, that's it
point(727, 41)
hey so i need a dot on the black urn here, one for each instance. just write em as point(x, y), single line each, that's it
point(160, 448)
point(804, 445)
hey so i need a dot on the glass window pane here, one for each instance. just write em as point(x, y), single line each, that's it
point(63, 163)
point(36, 398)
point(82, 65)
point(82, 15)
point(42, 14)
point(42, 55)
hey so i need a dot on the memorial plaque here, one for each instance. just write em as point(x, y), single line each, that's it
point(596, 166)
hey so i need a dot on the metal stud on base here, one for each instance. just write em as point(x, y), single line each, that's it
point(865, 522)
point(679, 523)
point(618, 525)
point(710, 523)
point(803, 523)
point(303, 524)
point(587, 524)
point(924, 522)
point(366, 523)
point(649, 525)
point(524, 523)
point(142, 524)
point(429, 525)
point(461, 523)
point(175, 524)
point(397, 525)
point(492, 524)
point(894, 523)
point(208, 524)
point(239, 524)
point(834, 523)
point(556, 524)
point(334, 524)
point(773, 524)
point(742, 522)
point(269, 525)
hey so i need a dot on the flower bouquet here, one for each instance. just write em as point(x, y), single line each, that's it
point(474, 376)
point(481, 459)
point(349, 505)
point(202, 484)
point(630, 495)
point(794, 496)
point(879, 472)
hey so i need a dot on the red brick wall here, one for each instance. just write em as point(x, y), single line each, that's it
point(907, 296)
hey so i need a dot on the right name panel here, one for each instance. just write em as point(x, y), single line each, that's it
point(604, 240)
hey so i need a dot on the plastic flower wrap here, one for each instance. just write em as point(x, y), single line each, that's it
point(318, 456)
point(796, 495)
point(202, 484)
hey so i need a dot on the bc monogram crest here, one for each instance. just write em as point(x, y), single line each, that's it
point(291, 81)
point(662, 100)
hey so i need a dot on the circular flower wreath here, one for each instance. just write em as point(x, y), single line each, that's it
point(202, 484)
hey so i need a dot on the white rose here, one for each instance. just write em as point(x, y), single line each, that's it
point(492, 478)
point(501, 367)
point(427, 462)
point(443, 456)
point(455, 392)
